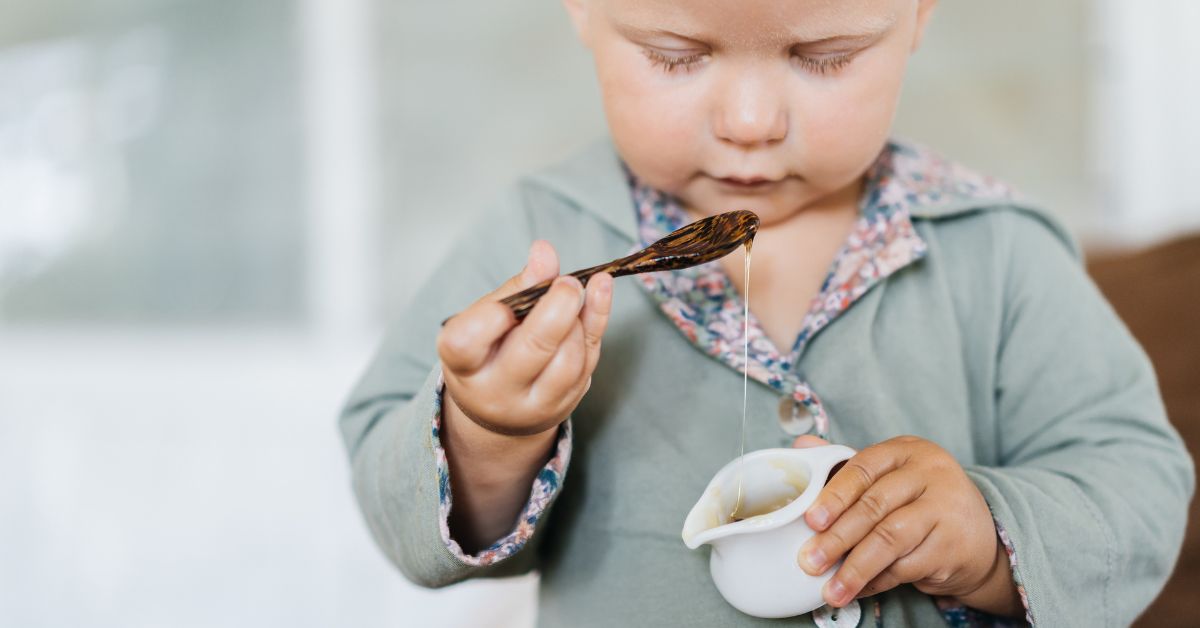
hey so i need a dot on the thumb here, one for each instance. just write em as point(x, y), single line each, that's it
point(541, 265)
point(808, 440)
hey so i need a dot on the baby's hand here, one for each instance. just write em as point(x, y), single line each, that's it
point(906, 511)
point(525, 379)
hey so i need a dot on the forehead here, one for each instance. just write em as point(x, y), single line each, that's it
point(755, 21)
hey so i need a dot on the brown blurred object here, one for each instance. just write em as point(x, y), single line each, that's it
point(1157, 293)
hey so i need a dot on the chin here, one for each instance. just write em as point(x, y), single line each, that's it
point(768, 207)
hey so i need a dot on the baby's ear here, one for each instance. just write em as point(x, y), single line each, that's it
point(924, 11)
point(577, 10)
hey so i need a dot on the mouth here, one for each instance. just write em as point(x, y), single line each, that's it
point(748, 184)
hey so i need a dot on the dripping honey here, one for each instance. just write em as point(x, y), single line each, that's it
point(736, 514)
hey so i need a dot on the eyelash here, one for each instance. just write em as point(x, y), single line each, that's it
point(671, 64)
point(822, 65)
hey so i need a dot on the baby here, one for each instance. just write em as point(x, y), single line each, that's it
point(1015, 465)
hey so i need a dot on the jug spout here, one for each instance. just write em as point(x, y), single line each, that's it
point(705, 515)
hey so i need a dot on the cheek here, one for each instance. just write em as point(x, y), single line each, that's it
point(653, 120)
point(646, 112)
point(843, 128)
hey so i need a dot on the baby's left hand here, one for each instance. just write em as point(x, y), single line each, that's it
point(905, 511)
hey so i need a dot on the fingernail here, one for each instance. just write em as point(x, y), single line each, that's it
point(814, 558)
point(835, 591)
point(820, 516)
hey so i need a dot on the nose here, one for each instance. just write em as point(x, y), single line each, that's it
point(752, 112)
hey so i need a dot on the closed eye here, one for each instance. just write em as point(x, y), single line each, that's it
point(673, 63)
point(825, 64)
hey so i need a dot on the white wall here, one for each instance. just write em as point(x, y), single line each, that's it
point(1146, 128)
point(195, 480)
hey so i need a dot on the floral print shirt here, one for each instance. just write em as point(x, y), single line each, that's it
point(706, 307)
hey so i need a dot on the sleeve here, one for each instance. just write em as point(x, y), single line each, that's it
point(1091, 492)
point(390, 422)
point(545, 488)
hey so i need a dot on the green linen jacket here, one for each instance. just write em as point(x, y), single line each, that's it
point(995, 345)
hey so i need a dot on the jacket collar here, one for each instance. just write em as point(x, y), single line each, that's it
point(593, 180)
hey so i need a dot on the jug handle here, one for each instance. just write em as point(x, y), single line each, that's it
point(826, 457)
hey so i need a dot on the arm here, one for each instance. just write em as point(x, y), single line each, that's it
point(1093, 483)
point(408, 454)
point(1081, 520)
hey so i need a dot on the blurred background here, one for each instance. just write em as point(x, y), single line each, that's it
point(210, 209)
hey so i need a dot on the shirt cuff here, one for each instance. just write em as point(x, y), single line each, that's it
point(960, 616)
point(1012, 564)
point(545, 487)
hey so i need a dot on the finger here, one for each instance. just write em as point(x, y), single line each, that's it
point(885, 581)
point(541, 265)
point(595, 316)
point(808, 440)
point(895, 574)
point(893, 538)
point(531, 345)
point(466, 341)
point(848, 484)
point(891, 492)
point(912, 567)
point(564, 374)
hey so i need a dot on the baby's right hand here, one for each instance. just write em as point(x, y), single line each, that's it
point(525, 379)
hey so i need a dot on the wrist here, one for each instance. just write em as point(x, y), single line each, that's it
point(511, 456)
point(997, 593)
point(490, 476)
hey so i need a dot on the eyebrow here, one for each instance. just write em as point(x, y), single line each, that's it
point(637, 32)
point(864, 34)
point(871, 29)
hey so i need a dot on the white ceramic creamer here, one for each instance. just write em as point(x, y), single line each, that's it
point(753, 560)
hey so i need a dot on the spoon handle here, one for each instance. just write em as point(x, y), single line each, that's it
point(522, 302)
point(691, 245)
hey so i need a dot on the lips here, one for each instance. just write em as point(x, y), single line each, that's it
point(749, 183)
point(745, 181)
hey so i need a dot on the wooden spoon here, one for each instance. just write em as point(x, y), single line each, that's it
point(700, 242)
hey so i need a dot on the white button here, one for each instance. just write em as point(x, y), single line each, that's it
point(829, 617)
point(794, 418)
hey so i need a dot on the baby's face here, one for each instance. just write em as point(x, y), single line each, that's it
point(769, 105)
